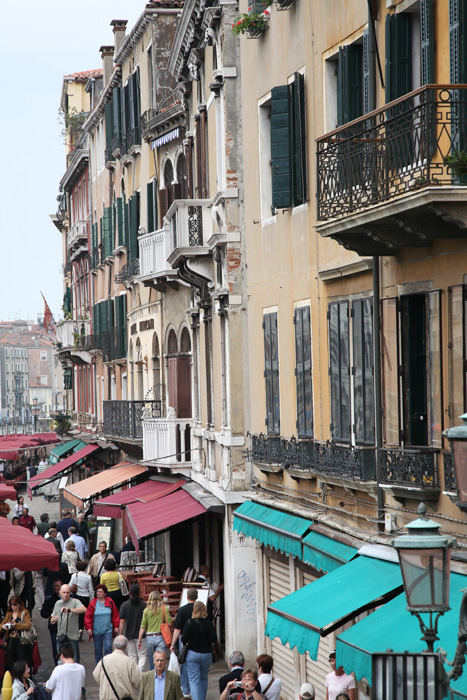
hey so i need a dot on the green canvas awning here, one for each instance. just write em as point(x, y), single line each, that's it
point(326, 554)
point(393, 627)
point(64, 449)
point(278, 530)
point(327, 603)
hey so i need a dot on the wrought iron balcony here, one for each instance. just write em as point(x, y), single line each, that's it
point(450, 481)
point(89, 342)
point(154, 251)
point(191, 227)
point(124, 419)
point(167, 440)
point(131, 138)
point(77, 235)
point(128, 271)
point(410, 468)
point(344, 462)
point(385, 181)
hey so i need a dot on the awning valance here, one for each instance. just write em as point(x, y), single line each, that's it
point(271, 527)
point(65, 448)
point(393, 627)
point(165, 138)
point(97, 484)
point(326, 554)
point(57, 471)
point(111, 506)
point(327, 603)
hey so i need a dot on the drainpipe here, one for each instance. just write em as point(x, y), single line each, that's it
point(378, 393)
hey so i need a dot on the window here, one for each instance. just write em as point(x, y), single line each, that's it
point(151, 200)
point(6, 352)
point(339, 370)
point(271, 373)
point(288, 146)
point(43, 379)
point(43, 356)
point(303, 377)
point(6, 367)
point(362, 371)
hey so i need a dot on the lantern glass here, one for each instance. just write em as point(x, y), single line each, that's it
point(426, 578)
point(459, 457)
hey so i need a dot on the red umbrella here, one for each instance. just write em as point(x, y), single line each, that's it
point(7, 491)
point(20, 548)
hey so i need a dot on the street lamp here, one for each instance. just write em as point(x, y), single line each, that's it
point(457, 437)
point(35, 412)
point(425, 558)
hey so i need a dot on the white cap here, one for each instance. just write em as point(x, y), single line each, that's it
point(307, 691)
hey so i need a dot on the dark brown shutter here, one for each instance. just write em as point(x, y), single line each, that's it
point(204, 155)
point(199, 159)
point(184, 387)
point(189, 168)
point(163, 200)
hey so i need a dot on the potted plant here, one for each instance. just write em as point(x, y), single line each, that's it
point(254, 22)
point(457, 163)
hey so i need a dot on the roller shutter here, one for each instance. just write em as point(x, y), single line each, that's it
point(284, 657)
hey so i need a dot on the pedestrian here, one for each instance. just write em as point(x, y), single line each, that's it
point(4, 509)
point(66, 614)
point(17, 620)
point(247, 690)
point(215, 590)
point(27, 520)
point(270, 687)
point(184, 613)
point(80, 543)
point(236, 665)
point(338, 681)
point(67, 679)
point(65, 523)
point(4, 591)
point(58, 535)
point(39, 585)
point(100, 621)
point(307, 692)
point(97, 561)
point(81, 587)
point(70, 556)
point(151, 624)
point(52, 535)
point(83, 528)
point(23, 687)
point(131, 615)
point(43, 526)
point(159, 683)
point(18, 507)
point(111, 580)
point(46, 613)
point(200, 635)
point(122, 672)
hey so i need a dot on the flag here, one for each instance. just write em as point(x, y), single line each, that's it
point(47, 315)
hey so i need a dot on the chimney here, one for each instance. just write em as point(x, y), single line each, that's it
point(107, 53)
point(119, 28)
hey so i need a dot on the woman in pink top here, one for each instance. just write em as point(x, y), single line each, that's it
point(339, 682)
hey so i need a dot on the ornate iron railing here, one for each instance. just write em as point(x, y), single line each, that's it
point(146, 117)
point(393, 150)
point(128, 271)
point(409, 467)
point(339, 461)
point(90, 342)
point(450, 481)
point(115, 142)
point(114, 343)
point(124, 419)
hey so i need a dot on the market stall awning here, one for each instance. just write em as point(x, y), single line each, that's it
point(326, 554)
point(21, 549)
point(12, 445)
point(327, 603)
point(111, 506)
point(393, 627)
point(7, 492)
point(97, 484)
point(144, 519)
point(271, 527)
point(64, 449)
point(56, 472)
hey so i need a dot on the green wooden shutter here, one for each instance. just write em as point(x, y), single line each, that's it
point(116, 113)
point(121, 237)
point(398, 55)
point(366, 73)
point(457, 36)
point(134, 224)
point(137, 103)
point(426, 42)
point(388, 57)
point(131, 102)
point(150, 206)
point(299, 141)
point(118, 327)
point(123, 104)
point(108, 130)
point(271, 373)
point(281, 147)
point(350, 83)
point(126, 226)
point(106, 236)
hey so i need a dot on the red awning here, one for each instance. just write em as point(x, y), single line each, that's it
point(12, 445)
point(57, 470)
point(111, 506)
point(7, 492)
point(21, 549)
point(144, 519)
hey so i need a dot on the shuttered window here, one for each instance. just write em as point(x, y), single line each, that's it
point(116, 114)
point(339, 370)
point(288, 145)
point(303, 377)
point(398, 55)
point(133, 226)
point(458, 69)
point(349, 83)
point(362, 370)
point(120, 231)
point(120, 326)
point(150, 206)
point(426, 42)
point(108, 113)
point(271, 373)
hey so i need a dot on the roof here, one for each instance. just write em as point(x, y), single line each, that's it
point(84, 75)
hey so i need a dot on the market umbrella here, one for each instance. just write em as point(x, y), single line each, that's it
point(20, 548)
point(7, 491)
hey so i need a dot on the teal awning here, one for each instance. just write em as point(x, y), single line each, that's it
point(64, 449)
point(324, 553)
point(278, 530)
point(324, 605)
point(393, 627)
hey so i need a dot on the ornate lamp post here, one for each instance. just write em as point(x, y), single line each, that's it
point(35, 412)
point(425, 558)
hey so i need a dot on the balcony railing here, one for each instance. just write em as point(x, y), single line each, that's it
point(65, 333)
point(396, 149)
point(154, 250)
point(450, 481)
point(131, 138)
point(167, 440)
point(128, 271)
point(416, 467)
point(124, 419)
point(339, 461)
point(191, 226)
point(78, 234)
point(90, 342)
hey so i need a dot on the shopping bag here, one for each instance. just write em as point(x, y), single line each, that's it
point(173, 663)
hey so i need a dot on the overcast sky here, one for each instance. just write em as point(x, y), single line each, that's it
point(41, 42)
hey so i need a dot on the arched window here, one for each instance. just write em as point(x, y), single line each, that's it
point(185, 342)
point(172, 345)
point(168, 173)
point(181, 175)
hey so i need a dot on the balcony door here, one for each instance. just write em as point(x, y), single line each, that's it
point(414, 375)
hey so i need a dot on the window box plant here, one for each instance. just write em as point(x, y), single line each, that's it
point(457, 163)
point(254, 22)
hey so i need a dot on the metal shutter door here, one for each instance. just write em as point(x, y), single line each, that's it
point(284, 661)
point(316, 671)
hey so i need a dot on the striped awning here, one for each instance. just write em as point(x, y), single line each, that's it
point(165, 138)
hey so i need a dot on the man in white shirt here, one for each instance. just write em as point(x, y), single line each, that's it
point(67, 679)
point(270, 687)
point(80, 543)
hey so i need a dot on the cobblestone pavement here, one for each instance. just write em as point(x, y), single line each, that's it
point(38, 506)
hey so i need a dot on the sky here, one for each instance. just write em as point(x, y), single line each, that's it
point(41, 42)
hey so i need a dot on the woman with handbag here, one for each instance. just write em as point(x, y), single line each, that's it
point(16, 621)
point(155, 622)
point(81, 586)
point(200, 635)
point(111, 580)
point(101, 621)
point(23, 687)
point(70, 556)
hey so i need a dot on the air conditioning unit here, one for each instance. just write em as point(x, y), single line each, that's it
point(389, 522)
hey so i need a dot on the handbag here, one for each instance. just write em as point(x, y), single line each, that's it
point(127, 697)
point(63, 638)
point(165, 629)
point(27, 636)
point(123, 586)
point(184, 650)
point(74, 586)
